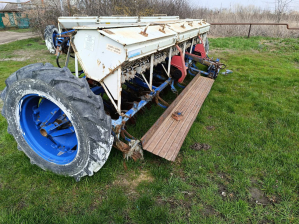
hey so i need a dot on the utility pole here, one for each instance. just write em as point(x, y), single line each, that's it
point(61, 4)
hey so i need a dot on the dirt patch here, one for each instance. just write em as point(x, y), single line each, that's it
point(222, 190)
point(258, 196)
point(22, 55)
point(15, 59)
point(200, 146)
point(130, 181)
point(210, 128)
point(209, 211)
point(174, 203)
point(225, 177)
point(7, 36)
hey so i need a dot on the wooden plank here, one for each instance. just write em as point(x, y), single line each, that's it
point(168, 111)
point(170, 134)
point(180, 127)
point(186, 109)
point(179, 140)
point(156, 137)
point(167, 127)
point(177, 145)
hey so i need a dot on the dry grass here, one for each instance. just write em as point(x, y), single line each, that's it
point(48, 14)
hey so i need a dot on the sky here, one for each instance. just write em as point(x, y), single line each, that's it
point(2, 5)
point(216, 4)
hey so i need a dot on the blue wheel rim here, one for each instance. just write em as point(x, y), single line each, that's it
point(47, 130)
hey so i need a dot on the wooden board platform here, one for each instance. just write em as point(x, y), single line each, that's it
point(166, 136)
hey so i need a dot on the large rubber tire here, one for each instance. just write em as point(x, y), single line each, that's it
point(73, 96)
point(49, 40)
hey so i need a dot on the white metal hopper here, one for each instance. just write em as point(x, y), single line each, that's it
point(103, 50)
point(68, 22)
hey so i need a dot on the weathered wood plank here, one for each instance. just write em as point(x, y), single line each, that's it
point(167, 135)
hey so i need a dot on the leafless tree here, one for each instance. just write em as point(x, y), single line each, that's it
point(43, 15)
point(281, 7)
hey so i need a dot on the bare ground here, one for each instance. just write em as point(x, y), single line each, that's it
point(8, 36)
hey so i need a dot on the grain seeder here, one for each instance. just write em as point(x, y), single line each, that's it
point(68, 123)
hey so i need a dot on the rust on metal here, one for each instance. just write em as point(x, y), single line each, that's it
point(143, 33)
point(163, 29)
point(177, 116)
point(108, 31)
point(123, 147)
point(169, 134)
point(259, 24)
point(157, 98)
point(65, 35)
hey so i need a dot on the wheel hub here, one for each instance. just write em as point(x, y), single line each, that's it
point(48, 130)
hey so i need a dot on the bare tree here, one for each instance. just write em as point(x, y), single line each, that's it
point(281, 7)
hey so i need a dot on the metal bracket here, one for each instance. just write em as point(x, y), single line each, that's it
point(163, 29)
point(143, 33)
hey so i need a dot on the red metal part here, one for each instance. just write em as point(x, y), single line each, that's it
point(200, 48)
point(178, 61)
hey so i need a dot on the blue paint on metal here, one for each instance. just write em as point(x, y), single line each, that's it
point(128, 139)
point(108, 105)
point(41, 116)
point(146, 99)
point(159, 77)
point(131, 87)
point(131, 55)
point(190, 73)
point(138, 106)
point(198, 71)
point(97, 90)
point(179, 85)
point(139, 82)
point(161, 105)
point(173, 89)
point(66, 32)
point(58, 39)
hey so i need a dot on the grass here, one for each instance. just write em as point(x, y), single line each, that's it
point(250, 174)
point(18, 30)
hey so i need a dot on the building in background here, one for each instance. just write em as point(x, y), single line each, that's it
point(13, 16)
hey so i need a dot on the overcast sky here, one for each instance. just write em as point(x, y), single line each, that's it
point(214, 4)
